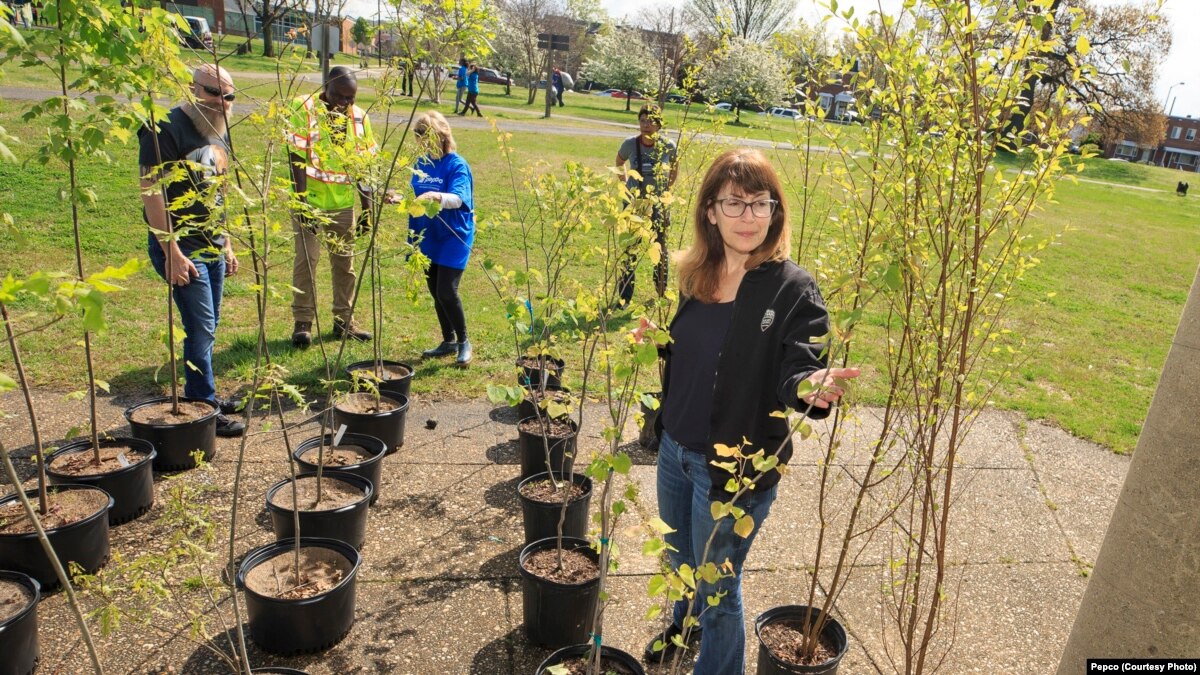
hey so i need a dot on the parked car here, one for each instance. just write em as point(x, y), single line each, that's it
point(492, 76)
point(198, 35)
point(620, 93)
point(787, 113)
point(608, 92)
point(724, 106)
point(676, 98)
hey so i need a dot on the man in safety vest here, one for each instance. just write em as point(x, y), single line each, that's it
point(329, 136)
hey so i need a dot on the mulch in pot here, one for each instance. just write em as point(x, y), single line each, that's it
point(66, 507)
point(544, 491)
point(577, 567)
point(111, 459)
point(785, 639)
point(160, 413)
point(334, 494)
point(554, 428)
point(385, 373)
point(366, 404)
point(14, 597)
point(321, 570)
point(339, 455)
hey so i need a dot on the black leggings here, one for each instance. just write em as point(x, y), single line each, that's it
point(443, 286)
point(471, 104)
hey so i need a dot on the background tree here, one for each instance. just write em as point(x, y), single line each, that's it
point(268, 12)
point(620, 60)
point(807, 51)
point(754, 20)
point(361, 32)
point(1145, 128)
point(1123, 45)
point(662, 31)
point(517, 44)
point(745, 73)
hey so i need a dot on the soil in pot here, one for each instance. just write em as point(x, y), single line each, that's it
point(338, 455)
point(579, 666)
point(386, 373)
point(66, 507)
point(577, 567)
point(14, 598)
point(334, 494)
point(555, 428)
point(321, 570)
point(111, 459)
point(160, 413)
point(785, 640)
point(529, 406)
point(366, 404)
point(545, 492)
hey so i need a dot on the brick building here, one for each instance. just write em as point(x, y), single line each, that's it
point(1180, 149)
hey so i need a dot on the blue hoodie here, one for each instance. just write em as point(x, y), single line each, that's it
point(448, 236)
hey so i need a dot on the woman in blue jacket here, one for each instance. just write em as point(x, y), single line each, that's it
point(446, 238)
point(472, 91)
point(745, 336)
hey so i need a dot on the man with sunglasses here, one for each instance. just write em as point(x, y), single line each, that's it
point(331, 140)
point(652, 155)
point(186, 242)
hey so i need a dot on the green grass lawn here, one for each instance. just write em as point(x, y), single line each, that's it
point(1120, 273)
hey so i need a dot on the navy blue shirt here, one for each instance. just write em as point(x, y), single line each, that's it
point(696, 338)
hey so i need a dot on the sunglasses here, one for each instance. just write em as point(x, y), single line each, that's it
point(213, 91)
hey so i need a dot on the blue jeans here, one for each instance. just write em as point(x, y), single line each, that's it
point(684, 504)
point(199, 305)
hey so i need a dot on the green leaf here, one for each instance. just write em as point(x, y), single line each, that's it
point(657, 585)
point(621, 463)
point(1083, 46)
point(743, 526)
point(7, 383)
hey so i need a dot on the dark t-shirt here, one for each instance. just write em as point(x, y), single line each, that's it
point(646, 160)
point(179, 141)
point(696, 338)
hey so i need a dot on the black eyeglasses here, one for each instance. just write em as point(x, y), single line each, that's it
point(734, 208)
point(213, 91)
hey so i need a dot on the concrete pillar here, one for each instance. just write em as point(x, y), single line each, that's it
point(1143, 598)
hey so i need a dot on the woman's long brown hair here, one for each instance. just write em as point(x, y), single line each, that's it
point(750, 172)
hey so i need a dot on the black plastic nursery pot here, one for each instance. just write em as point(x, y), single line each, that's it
point(527, 408)
point(84, 542)
point(532, 376)
point(610, 656)
point(131, 487)
point(279, 671)
point(348, 523)
point(394, 388)
point(19, 633)
point(557, 614)
point(541, 518)
point(647, 437)
point(833, 633)
point(175, 443)
point(532, 448)
point(370, 468)
point(306, 625)
point(386, 426)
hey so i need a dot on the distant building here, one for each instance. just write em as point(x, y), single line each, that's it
point(1179, 149)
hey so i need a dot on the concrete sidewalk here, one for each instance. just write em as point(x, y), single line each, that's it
point(439, 590)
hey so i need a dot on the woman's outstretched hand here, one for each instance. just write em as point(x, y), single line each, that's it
point(827, 390)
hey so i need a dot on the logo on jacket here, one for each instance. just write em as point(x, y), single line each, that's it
point(767, 320)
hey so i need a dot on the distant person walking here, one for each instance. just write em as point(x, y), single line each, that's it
point(448, 237)
point(460, 86)
point(557, 80)
point(23, 10)
point(652, 155)
point(472, 91)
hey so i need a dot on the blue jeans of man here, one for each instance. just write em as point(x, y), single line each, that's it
point(684, 504)
point(199, 305)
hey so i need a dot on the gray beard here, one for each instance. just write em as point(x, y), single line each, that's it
point(210, 123)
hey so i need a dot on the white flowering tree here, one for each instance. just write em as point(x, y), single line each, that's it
point(746, 73)
point(621, 60)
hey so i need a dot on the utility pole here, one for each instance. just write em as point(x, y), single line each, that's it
point(378, 32)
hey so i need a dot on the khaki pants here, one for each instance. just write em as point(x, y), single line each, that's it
point(341, 262)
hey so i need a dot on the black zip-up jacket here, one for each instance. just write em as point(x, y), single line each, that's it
point(769, 350)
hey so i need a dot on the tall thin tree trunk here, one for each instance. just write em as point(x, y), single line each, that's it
point(1142, 597)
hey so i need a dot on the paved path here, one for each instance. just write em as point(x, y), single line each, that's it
point(439, 590)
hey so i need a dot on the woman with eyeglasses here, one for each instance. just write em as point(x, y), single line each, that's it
point(747, 333)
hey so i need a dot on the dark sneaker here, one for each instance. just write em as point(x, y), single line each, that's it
point(444, 349)
point(302, 334)
point(230, 406)
point(667, 653)
point(228, 427)
point(342, 328)
point(464, 353)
